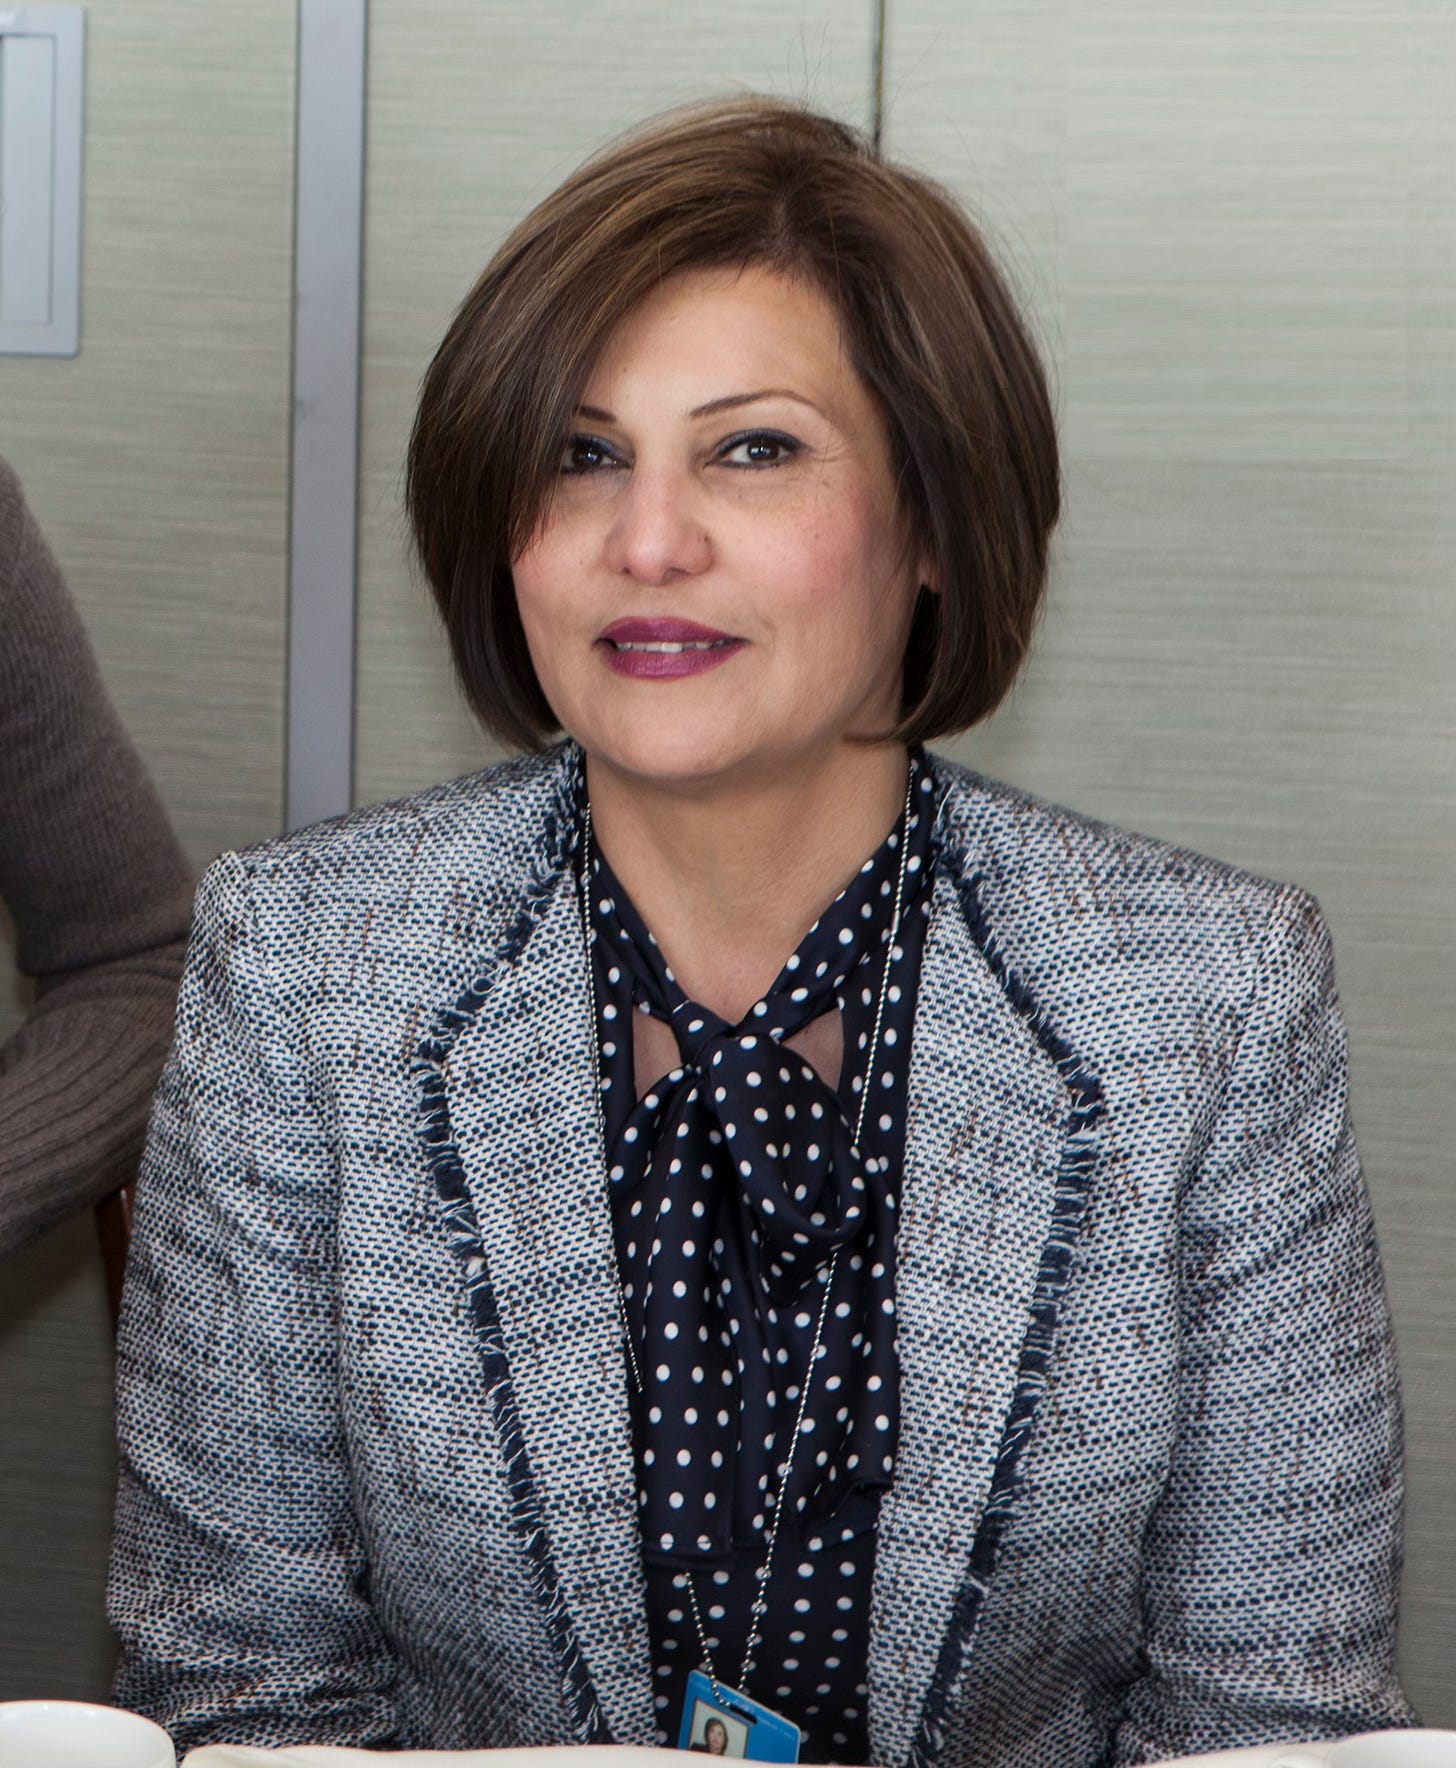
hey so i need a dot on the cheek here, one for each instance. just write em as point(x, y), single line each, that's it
point(545, 575)
point(848, 575)
point(542, 619)
point(528, 587)
point(534, 571)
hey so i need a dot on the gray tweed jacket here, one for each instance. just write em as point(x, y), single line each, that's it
point(377, 1483)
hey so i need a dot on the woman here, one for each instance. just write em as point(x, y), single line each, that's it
point(733, 1209)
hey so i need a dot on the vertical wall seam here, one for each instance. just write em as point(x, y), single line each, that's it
point(324, 476)
point(877, 121)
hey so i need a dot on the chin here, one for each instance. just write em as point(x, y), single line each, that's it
point(683, 758)
point(684, 749)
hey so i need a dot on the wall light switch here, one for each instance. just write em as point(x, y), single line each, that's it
point(41, 61)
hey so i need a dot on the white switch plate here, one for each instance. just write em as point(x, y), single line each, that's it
point(42, 55)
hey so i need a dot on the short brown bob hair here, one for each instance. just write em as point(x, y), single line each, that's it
point(928, 321)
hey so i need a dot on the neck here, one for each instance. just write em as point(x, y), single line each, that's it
point(730, 875)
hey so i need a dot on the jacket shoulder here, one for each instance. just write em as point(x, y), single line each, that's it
point(398, 899)
point(505, 815)
point(1097, 921)
point(1010, 836)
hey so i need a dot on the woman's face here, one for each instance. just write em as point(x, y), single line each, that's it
point(715, 1735)
point(728, 488)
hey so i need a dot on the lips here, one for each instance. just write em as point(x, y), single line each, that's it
point(664, 650)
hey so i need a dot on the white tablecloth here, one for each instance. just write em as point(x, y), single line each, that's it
point(1374, 1749)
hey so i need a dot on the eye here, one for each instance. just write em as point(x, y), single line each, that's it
point(757, 448)
point(587, 454)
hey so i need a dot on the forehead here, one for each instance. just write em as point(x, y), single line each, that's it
point(708, 333)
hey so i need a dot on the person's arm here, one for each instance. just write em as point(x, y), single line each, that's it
point(238, 1584)
point(97, 887)
point(1272, 1567)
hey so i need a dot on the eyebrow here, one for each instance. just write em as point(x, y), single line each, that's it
point(729, 402)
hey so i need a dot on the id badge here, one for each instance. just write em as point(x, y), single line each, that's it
point(730, 1723)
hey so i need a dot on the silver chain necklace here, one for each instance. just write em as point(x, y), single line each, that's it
point(755, 1622)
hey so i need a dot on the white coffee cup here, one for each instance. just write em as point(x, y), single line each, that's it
point(75, 1734)
point(1394, 1749)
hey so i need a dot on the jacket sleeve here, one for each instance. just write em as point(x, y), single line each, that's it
point(238, 1583)
point(99, 893)
point(1272, 1566)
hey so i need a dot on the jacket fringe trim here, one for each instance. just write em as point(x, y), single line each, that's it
point(1069, 1207)
point(463, 1231)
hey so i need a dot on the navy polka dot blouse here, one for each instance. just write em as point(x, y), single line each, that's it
point(744, 1209)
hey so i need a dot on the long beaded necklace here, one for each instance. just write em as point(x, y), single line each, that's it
point(761, 1578)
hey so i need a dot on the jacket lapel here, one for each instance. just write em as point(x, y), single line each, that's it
point(998, 1157)
point(519, 1087)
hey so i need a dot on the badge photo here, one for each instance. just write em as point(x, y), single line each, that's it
point(721, 1721)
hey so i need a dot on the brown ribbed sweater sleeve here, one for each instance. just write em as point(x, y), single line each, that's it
point(100, 895)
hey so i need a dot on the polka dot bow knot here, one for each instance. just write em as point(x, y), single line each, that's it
point(736, 1178)
point(785, 1135)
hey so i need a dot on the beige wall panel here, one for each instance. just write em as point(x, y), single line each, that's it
point(476, 110)
point(157, 461)
point(1235, 226)
point(57, 1471)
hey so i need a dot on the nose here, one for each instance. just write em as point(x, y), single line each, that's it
point(657, 532)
